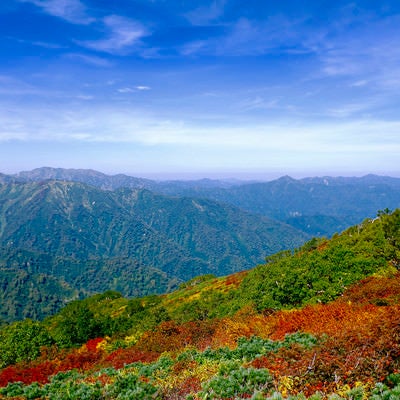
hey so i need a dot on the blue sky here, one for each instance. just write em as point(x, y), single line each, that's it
point(188, 88)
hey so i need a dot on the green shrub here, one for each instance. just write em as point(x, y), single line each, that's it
point(12, 389)
point(22, 341)
point(233, 382)
point(382, 392)
point(128, 386)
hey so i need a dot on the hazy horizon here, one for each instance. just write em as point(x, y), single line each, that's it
point(240, 177)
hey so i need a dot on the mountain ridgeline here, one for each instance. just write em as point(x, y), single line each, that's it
point(318, 206)
point(61, 240)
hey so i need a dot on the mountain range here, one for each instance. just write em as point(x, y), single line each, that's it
point(68, 233)
point(62, 239)
point(319, 206)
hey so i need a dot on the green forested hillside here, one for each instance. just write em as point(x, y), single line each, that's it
point(262, 334)
point(322, 269)
point(134, 241)
point(35, 285)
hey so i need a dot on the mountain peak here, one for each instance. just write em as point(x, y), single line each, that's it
point(286, 178)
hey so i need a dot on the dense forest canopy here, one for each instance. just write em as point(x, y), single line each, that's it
point(61, 241)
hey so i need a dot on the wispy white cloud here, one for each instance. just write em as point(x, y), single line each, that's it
point(10, 85)
point(196, 47)
point(119, 125)
point(359, 83)
point(350, 109)
point(73, 11)
point(46, 45)
point(126, 90)
point(207, 14)
point(336, 145)
point(89, 59)
point(368, 52)
point(133, 89)
point(259, 102)
point(85, 97)
point(245, 37)
point(123, 34)
point(355, 50)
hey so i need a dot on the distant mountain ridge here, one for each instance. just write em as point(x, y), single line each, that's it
point(87, 176)
point(113, 182)
point(131, 240)
point(318, 205)
point(305, 203)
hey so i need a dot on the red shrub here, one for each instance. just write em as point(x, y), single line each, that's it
point(190, 385)
point(379, 291)
point(171, 336)
point(121, 357)
point(39, 373)
point(92, 344)
point(9, 374)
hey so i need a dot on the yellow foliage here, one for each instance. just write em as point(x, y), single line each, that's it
point(343, 390)
point(118, 312)
point(103, 344)
point(285, 385)
point(203, 372)
point(388, 271)
point(132, 339)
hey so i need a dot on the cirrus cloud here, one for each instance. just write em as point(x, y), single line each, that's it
point(73, 11)
point(122, 35)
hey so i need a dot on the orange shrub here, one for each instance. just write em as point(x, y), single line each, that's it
point(121, 357)
point(170, 336)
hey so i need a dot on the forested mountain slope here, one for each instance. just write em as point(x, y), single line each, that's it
point(91, 240)
point(318, 206)
point(333, 335)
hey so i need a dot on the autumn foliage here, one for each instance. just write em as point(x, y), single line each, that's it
point(358, 341)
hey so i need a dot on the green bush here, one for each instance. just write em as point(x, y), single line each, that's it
point(382, 392)
point(236, 382)
point(22, 341)
point(12, 389)
point(128, 386)
point(72, 390)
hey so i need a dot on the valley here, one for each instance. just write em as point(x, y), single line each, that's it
point(85, 240)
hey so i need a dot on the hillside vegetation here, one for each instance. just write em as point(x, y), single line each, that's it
point(320, 322)
point(66, 240)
